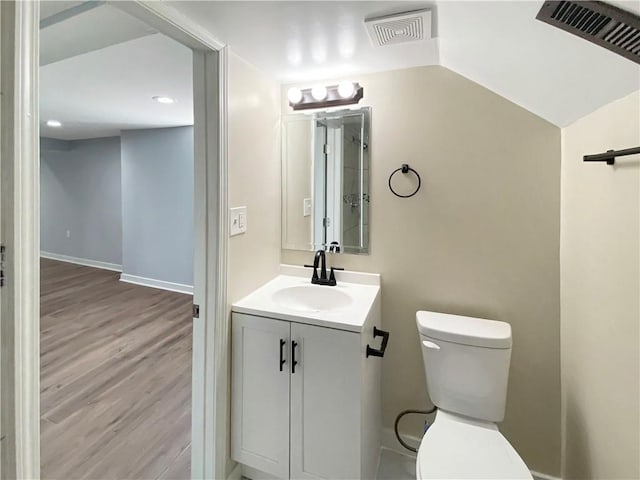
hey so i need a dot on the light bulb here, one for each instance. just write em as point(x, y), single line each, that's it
point(294, 95)
point(346, 89)
point(319, 92)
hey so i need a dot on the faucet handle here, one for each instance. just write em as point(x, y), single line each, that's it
point(315, 271)
point(332, 276)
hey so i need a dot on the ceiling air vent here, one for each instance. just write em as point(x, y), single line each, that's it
point(399, 28)
point(598, 22)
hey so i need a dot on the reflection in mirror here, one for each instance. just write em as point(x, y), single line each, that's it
point(325, 181)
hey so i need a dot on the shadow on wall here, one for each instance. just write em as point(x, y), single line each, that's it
point(578, 447)
point(626, 164)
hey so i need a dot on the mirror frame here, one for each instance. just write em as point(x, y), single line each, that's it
point(288, 119)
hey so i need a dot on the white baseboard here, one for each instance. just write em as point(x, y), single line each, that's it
point(82, 261)
point(150, 282)
point(390, 442)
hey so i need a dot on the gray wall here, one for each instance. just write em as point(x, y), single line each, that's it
point(157, 204)
point(80, 193)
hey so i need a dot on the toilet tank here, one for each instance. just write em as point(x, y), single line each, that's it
point(466, 362)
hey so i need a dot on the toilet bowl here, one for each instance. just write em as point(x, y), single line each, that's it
point(466, 363)
point(456, 447)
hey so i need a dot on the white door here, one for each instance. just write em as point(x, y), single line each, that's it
point(325, 404)
point(260, 394)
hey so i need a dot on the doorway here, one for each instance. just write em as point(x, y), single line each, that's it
point(20, 232)
point(116, 241)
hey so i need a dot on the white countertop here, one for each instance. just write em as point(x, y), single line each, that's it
point(363, 288)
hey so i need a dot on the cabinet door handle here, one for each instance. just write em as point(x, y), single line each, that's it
point(282, 344)
point(294, 344)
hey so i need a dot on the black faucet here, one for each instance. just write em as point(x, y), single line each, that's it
point(320, 260)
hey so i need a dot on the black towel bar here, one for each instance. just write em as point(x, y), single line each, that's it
point(610, 155)
point(383, 348)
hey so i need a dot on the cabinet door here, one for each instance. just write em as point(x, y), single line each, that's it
point(325, 404)
point(260, 394)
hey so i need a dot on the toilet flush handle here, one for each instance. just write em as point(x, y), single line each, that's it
point(430, 345)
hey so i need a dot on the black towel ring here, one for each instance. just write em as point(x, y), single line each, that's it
point(404, 169)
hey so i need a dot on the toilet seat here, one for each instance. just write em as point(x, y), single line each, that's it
point(463, 448)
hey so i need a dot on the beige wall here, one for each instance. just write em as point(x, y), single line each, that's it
point(481, 238)
point(254, 177)
point(600, 290)
point(297, 168)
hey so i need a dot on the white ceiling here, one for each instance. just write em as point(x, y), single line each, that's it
point(93, 29)
point(103, 67)
point(104, 82)
point(499, 45)
point(551, 73)
point(309, 40)
point(49, 8)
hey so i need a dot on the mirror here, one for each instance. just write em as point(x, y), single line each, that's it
point(325, 181)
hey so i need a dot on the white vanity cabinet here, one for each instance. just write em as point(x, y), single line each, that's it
point(260, 394)
point(305, 399)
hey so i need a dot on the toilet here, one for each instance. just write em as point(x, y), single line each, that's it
point(466, 362)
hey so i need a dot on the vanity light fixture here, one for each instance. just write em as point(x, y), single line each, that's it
point(319, 96)
point(54, 123)
point(161, 99)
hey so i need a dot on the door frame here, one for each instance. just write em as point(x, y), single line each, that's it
point(20, 232)
point(20, 312)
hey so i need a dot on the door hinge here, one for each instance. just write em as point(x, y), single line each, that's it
point(196, 311)
point(2, 255)
point(327, 149)
point(326, 222)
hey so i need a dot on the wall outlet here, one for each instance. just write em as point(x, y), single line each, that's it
point(68, 233)
point(306, 207)
point(237, 221)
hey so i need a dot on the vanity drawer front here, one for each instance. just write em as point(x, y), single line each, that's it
point(260, 393)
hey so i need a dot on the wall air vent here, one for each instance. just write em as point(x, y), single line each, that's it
point(598, 22)
point(399, 28)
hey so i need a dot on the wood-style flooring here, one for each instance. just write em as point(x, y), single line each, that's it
point(115, 377)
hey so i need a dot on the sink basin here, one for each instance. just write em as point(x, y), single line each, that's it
point(312, 298)
point(292, 298)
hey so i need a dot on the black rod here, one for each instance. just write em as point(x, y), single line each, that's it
point(610, 155)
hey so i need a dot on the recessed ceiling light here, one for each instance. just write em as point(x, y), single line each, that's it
point(161, 99)
point(54, 123)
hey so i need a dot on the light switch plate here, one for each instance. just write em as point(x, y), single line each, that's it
point(306, 207)
point(237, 221)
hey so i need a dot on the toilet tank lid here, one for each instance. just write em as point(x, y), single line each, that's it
point(478, 332)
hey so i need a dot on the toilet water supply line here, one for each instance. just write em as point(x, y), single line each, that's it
point(406, 412)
